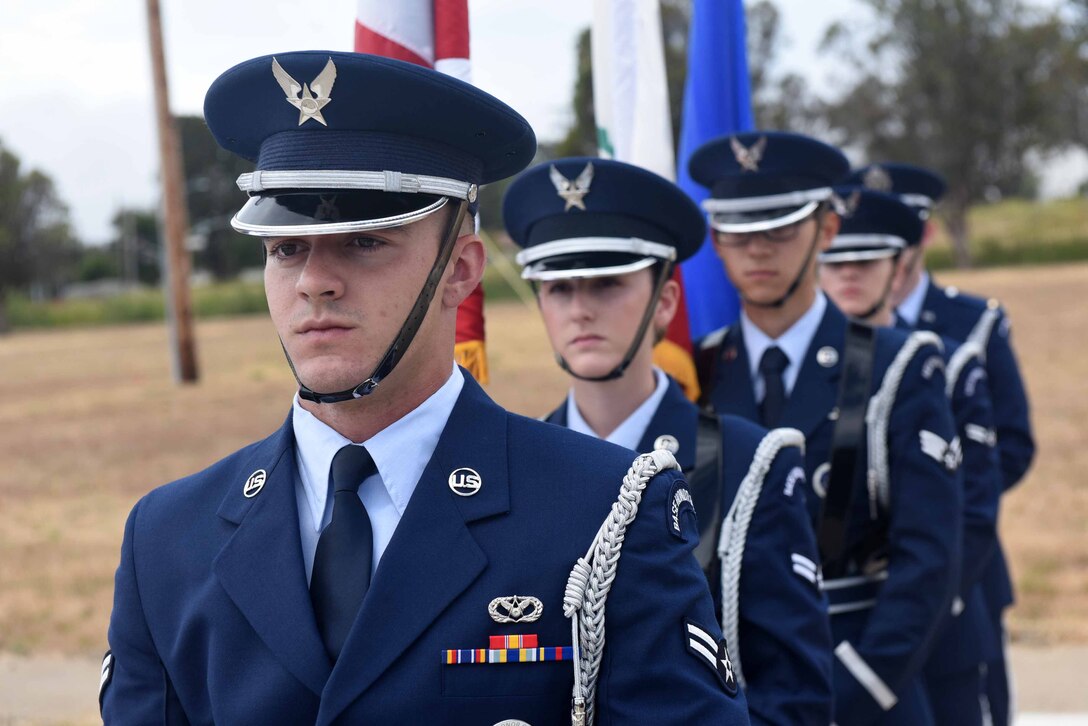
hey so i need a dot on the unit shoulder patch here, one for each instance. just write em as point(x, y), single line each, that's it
point(795, 477)
point(713, 653)
point(680, 503)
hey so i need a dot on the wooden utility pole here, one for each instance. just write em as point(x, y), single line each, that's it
point(175, 219)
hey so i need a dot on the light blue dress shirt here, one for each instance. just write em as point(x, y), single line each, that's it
point(401, 452)
point(629, 433)
point(911, 307)
point(794, 343)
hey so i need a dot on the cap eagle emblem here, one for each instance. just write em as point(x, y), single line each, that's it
point(748, 156)
point(314, 96)
point(846, 207)
point(573, 192)
point(877, 179)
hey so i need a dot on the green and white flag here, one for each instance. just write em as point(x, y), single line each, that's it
point(630, 93)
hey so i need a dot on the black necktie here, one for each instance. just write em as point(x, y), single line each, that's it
point(771, 365)
point(341, 574)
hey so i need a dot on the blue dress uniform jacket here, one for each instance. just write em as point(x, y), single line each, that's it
point(962, 317)
point(212, 621)
point(882, 620)
point(965, 642)
point(784, 641)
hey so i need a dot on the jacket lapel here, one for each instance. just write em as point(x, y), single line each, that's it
point(558, 416)
point(733, 392)
point(674, 416)
point(432, 557)
point(816, 390)
point(261, 567)
point(929, 318)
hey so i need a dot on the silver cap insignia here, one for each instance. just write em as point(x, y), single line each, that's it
point(573, 192)
point(877, 179)
point(516, 609)
point(750, 156)
point(254, 484)
point(846, 207)
point(309, 103)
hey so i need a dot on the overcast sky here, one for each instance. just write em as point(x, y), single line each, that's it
point(77, 74)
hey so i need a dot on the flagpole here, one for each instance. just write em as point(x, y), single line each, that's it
point(175, 218)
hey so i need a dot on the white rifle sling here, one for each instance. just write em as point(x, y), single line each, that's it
point(735, 533)
point(591, 579)
point(879, 414)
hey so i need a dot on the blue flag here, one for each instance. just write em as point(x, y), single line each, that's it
point(717, 102)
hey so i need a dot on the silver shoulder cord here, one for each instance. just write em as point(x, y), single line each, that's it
point(879, 413)
point(980, 334)
point(591, 579)
point(735, 532)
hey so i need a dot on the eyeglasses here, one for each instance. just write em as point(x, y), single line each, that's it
point(780, 235)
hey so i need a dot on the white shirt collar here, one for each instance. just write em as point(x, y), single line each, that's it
point(911, 308)
point(629, 433)
point(401, 450)
point(794, 343)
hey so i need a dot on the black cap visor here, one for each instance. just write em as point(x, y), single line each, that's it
point(292, 212)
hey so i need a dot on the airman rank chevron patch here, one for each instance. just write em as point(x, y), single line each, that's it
point(483, 656)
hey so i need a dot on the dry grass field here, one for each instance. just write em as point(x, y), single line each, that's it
point(91, 420)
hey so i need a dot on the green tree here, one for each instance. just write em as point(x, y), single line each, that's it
point(213, 198)
point(966, 87)
point(136, 246)
point(37, 250)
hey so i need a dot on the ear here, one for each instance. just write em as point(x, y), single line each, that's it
point(466, 269)
point(829, 228)
point(667, 305)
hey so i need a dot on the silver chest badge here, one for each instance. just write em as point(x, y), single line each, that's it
point(573, 192)
point(254, 484)
point(516, 609)
point(748, 156)
point(308, 102)
point(465, 482)
point(827, 356)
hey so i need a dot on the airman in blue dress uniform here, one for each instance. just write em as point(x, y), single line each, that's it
point(602, 268)
point(858, 273)
point(400, 550)
point(881, 456)
point(925, 305)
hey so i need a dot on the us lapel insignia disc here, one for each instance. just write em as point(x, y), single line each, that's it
point(512, 722)
point(827, 356)
point(465, 482)
point(516, 609)
point(928, 316)
point(254, 484)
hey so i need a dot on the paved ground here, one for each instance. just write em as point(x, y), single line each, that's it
point(1051, 682)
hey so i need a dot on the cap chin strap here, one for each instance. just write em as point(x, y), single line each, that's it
point(796, 281)
point(663, 276)
point(399, 346)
